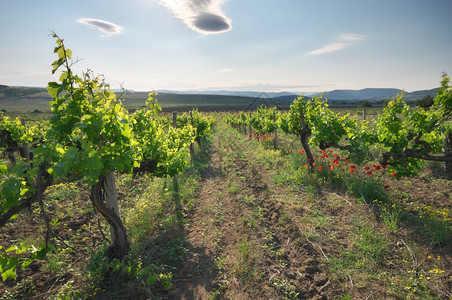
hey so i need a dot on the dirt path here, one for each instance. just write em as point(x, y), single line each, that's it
point(242, 244)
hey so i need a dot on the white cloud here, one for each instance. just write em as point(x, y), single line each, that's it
point(203, 16)
point(103, 26)
point(344, 40)
point(224, 70)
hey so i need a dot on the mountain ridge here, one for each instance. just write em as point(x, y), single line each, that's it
point(339, 94)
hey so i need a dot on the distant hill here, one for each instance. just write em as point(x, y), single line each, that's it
point(370, 93)
point(375, 94)
point(229, 93)
point(26, 99)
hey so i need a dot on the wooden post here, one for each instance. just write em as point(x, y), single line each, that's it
point(26, 153)
point(175, 119)
point(364, 114)
point(192, 145)
point(251, 131)
point(448, 152)
point(275, 133)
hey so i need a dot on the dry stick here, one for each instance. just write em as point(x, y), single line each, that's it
point(51, 288)
point(271, 277)
point(327, 283)
point(413, 258)
point(334, 194)
point(323, 253)
point(288, 240)
point(351, 281)
point(321, 250)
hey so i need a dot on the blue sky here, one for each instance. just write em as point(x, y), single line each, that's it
point(258, 45)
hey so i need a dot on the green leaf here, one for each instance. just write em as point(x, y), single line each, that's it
point(26, 263)
point(3, 167)
point(11, 191)
point(9, 273)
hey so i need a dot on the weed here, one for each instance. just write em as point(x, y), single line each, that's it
point(285, 288)
point(249, 222)
point(214, 295)
point(175, 251)
point(390, 215)
point(369, 242)
point(23, 290)
point(343, 297)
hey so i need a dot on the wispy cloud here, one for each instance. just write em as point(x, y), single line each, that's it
point(103, 26)
point(343, 41)
point(224, 70)
point(203, 16)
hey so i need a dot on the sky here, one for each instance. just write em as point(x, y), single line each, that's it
point(299, 46)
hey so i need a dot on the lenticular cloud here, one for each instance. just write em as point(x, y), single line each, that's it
point(203, 16)
point(101, 25)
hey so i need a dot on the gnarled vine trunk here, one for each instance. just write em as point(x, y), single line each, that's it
point(105, 200)
point(304, 135)
point(448, 152)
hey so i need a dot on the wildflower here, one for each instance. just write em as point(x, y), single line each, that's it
point(369, 173)
point(352, 170)
point(367, 168)
point(332, 168)
point(386, 187)
point(394, 175)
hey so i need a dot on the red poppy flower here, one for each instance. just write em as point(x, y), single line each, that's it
point(367, 168)
point(394, 175)
point(386, 187)
point(352, 170)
